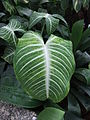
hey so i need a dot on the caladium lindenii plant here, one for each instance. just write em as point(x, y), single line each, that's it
point(44, 70)
point(44, 61)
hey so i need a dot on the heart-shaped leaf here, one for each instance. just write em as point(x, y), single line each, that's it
point(44, 70)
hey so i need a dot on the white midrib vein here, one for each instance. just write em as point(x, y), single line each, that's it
point(47, 64)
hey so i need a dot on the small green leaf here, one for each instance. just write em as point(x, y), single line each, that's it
point(2, 14)
point(82, 58)
point(77, 31)
point(2, 65)
point(51, 22)
point(24, 11)
point(84, 99)
point(86, 34)
point(60, 18)
point(82, 86)
point(9, 54)
point(51, 113)
point(71, 116)
point(89, 66)
point(8, 32)
point(73, 105)
point(64, 31)
point(8, 6)
point(64, 4)
point(77, 5)
point(85, 42)
point(86, 3)
point(83, 74)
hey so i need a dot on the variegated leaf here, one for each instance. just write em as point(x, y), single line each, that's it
point(51, 22)
point(9, 54)
point(77, 4)
point(8, 32)
point(44, 70)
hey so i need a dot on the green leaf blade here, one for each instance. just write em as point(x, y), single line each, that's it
point(8, 32)
point(41, 70)
point(77, 31)
point(51, 113)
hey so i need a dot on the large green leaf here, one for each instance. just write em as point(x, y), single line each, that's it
point(51, 22)
point(83, 74)
point(44, 70)
point(77, 31)
point(11, 91)
point(51, 113)
point(8, 32)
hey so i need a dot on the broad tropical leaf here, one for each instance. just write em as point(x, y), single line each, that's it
point(11, 91)
point(44, 70)
point(51, 113)
point(51, 22)
point(7, 32)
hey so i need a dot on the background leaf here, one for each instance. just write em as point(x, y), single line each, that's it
point(51, 22)
point(24, 11)
point(73, 105)
point(82, 58)
point(11, 91)
point(83, 75)
point(77, 30)
point(9, 54)
point(51, 114)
